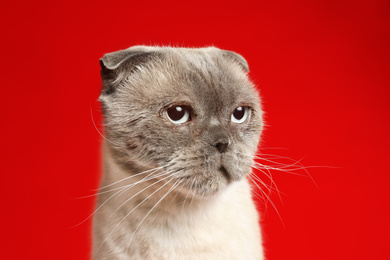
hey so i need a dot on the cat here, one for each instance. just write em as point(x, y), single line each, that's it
point(182, 127)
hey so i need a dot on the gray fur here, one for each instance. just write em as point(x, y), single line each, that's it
point(139, 84)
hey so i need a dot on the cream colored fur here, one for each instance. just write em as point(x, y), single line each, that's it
point(224, 226)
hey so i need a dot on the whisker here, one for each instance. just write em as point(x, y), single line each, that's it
point(93, 213)
point(270, 201)
point(268, 187)
point(269, 176)
point(158, 181)
point(185, 199)
point(273, 148)
point(154, 170)
point(132, 184)
point(122, 190)
point(288, 168)
point(260, 197)
point(147, 214)
point(192, 198)
point(139, 204)
point(93, 121)
point(177, 193)
point(279, 163)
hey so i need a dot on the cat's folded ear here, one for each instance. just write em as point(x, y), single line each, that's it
point(115, 65)
point(236, 58)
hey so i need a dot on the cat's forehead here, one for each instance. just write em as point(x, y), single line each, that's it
point(195, 75)
point(145, 76)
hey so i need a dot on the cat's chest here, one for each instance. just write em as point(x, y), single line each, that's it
point(215, 233)
point(224, 229)
point(212, 240)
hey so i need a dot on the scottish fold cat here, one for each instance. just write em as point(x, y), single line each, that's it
point(181, 127)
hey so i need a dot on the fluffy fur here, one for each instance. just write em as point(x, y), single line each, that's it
point(169, 191)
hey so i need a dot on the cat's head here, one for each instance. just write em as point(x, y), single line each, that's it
point(192, 111)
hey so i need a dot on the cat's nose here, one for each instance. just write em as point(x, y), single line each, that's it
point(222, 145)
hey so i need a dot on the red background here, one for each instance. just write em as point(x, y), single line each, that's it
point(323, 71)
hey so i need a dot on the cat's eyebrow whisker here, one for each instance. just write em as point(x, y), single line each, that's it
point(139, 204)
point(155, 205)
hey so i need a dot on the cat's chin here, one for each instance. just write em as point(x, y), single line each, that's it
point(203, 185)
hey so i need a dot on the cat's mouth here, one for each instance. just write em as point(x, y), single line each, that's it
point(225, 173)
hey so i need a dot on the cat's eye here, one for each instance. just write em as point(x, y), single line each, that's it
point(240, 114)
point(178, 114)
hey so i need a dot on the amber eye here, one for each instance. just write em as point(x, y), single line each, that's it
point(178, 114)
point(240, 115)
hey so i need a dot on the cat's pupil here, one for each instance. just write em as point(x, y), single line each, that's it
point(239, 113)
point(176, 113)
